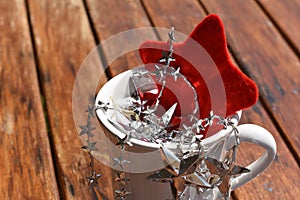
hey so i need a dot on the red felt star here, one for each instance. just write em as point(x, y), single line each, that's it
point(204, 59)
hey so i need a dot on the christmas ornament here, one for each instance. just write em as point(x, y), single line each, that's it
point(170, 104)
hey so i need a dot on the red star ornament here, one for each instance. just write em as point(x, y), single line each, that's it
point(204, 60)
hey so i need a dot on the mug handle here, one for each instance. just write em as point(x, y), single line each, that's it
point(258, 135)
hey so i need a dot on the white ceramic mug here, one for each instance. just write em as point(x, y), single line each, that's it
point(215, 146)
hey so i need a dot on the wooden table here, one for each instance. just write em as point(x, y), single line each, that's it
point(43, 43)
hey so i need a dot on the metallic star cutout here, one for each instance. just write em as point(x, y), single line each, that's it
point(93, 178)
point(167, 116)
point(166, 58)
point(87, 129)
point(180, 173)
point(175, 73)
point(90, 146)
point(122, 194)
point(224, 122)
point(209, 120)
point(120, 177)
point(91, 110)
point(222, 171)
point(198, 124)
point(191, 172)
point(120, 162)
point(159, 74)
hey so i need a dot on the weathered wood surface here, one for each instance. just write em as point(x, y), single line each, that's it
point(63, 39)
point(116, 17)
point(264, 186)
point(286, 15)
point(26, 165)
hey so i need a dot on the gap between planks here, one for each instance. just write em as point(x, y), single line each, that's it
point(280, 30)
point(43, 101)
point(97, 41)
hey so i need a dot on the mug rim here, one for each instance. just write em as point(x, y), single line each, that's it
point(108, 90)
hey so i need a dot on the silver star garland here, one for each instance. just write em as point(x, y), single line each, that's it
point(86, 131)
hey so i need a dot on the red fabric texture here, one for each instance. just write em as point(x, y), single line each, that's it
point(204, 59)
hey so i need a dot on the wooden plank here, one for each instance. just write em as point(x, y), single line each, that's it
point(286, 15)
point(63, 39)
point(26, 165)
point(254, 115)
point(113, 17)
point(168, 14)
point(268, 59)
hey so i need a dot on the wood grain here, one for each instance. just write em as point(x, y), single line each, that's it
point(26, 165)
point(63, 39)
point(277, 173)
point(286, 15)
point(166, 14)
point(267, 58)
point(114, 17)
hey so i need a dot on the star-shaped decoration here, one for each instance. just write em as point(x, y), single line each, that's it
point(87, 129)
point(91, 146)
point(224, 122)
point(158, 73)
point(91, 110)
point(120, 177)
point(179, 172)
point(166, 58)
point(198, 124)
point(93, 178)
point(120, 162)
point(210, 119)
point(167, 116)
point(222, 171)
point(175, 73)
point(199, 172)
point(122, 193)
point(194, 56)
